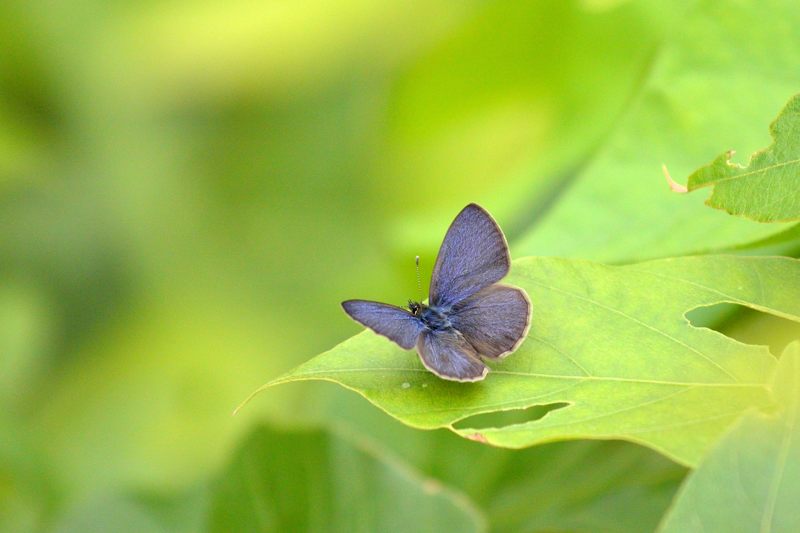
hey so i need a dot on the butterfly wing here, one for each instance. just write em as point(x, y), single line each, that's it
point(447, 354)
point(391, 321)
point(473, 255)
point(494, 320)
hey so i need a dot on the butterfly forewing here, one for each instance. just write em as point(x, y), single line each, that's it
point(474, 255)
point(391, 321)
point(494, 320)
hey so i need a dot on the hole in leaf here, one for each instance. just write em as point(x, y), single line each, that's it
point(498, 419)
point(746, 325)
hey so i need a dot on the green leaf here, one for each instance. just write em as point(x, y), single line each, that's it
point(610, 342)
point(750, 481)
point(768, 188)
point(586, 485)
point(314, 480)
point(110, 512)
point(29, 489)
point(288, 480)
point(721, 72)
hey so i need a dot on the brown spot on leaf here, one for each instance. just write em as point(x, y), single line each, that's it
point(477, 437)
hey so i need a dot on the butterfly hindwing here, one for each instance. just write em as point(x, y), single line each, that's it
point(494, 320)
point(473, 255)
point(391, 321)
point(447, 354)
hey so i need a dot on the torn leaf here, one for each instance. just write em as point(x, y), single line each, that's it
point(612, 342)
point(768, 188)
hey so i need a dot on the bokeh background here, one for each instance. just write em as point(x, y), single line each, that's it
point(189, 189)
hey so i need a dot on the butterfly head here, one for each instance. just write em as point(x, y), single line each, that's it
point(415, 307)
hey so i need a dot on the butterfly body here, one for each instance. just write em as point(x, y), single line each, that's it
point(434, 318)
point(470, 316)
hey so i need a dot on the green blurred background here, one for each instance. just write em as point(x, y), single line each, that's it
point(189, 189)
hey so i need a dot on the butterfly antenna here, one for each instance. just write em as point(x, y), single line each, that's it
point(419, 281)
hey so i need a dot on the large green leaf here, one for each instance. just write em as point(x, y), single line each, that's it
point(111, 512)
point(290, 480)
point(768, 189)
point(314, 480)
point(751, 479)
point(721, 72)
point(611, 342)
point(584, 485)
point(29, 491)
point(581, 486)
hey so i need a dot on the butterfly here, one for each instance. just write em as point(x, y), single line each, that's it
point(469, 315)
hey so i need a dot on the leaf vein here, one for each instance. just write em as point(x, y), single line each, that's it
point(752, 172)
point(562, 353)
point(644, 324)
point(614, 412)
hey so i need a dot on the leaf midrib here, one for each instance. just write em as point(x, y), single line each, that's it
point(332, 372)
point(749, 173)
